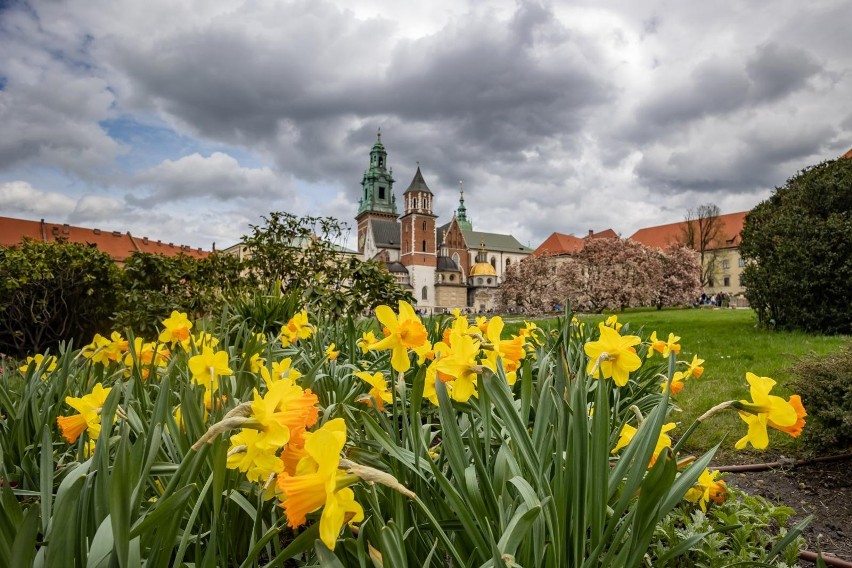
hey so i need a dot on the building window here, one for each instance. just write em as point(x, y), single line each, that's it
point(424, 246)
point(381, 162)
point(424, 293)
point(726, 264)
point(493, 263)
point(452, 277)
point(741, 262)
point(424, 225)
point(726, 281)
point(381, 193)
point(710, 282)
point(741, 281)
point(479, 281)
point(508, 263)
point(457, 260)
point(488, 281)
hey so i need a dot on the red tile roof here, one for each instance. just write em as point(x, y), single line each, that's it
point(115, 243)
point(662, 236)
point(559, 243)
point(847, 155)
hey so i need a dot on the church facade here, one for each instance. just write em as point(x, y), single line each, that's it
point(445, 267)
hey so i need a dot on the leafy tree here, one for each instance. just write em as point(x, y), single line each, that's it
point(798, 251)
point(304, 255)
point(680, 283)
point(53, 292)
point(701, 232)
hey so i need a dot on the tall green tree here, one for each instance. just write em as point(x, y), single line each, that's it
point(798, 251)
point(305, 255)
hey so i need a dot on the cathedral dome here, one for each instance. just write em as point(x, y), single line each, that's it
point(482, 269)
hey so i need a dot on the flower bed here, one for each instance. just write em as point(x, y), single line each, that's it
point(439, 443)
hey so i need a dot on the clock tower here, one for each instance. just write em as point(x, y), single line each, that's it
point(377, 198)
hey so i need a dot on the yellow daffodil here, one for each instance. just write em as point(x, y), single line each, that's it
point(146, 355)
point(40, 360)
point(315, 485)
point(103, 350)
point(403, 333)
point(763, 409)
point(250, 454)
point(694, 368)
point(460, 364)
point(256, 363)
point(612, 355)
point(677, 383)
point(511, 351)
point(531, 331)
point(612, 322)
point(379, 394)
point(298, 327)
point(708, 488)
point(628, 432)
point(204, 339)
point(176, 329)
point(89, 418)
point(482, 324)
point(367, 338)
point(331, 353)
point(208, 366)
point(281, 370)
point(664, 347)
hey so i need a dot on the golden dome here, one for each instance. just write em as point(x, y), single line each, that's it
point(482, 269)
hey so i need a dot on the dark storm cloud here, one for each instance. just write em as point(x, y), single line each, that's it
point(718, 88)
point(482, 85)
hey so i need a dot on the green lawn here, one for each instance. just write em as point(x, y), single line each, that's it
point(731, 345)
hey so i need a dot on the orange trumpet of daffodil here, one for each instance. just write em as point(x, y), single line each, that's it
point(316, 484)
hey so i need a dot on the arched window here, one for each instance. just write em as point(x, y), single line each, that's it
point(456, 259)
point(424, 246)
point(381, 193)
point(381, 162)
point(508, 263)
point(424, 225)
point(494, 263)
point(424, 293)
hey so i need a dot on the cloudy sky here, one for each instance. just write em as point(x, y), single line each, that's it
point(186, 121)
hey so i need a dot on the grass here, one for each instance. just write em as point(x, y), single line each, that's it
point(731, 345)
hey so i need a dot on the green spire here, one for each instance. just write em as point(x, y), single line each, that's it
point(377, 185)
point(461, 212)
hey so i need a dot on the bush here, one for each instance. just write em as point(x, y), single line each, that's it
point(742, 529)
point(153, 285)
point(798, 251)
point(54, 292)
point(825, 385)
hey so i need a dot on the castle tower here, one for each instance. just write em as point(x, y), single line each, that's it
point(418, 250)
point(461, 212)
point(377, 198)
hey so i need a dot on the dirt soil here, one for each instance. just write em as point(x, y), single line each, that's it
point(821, 489)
